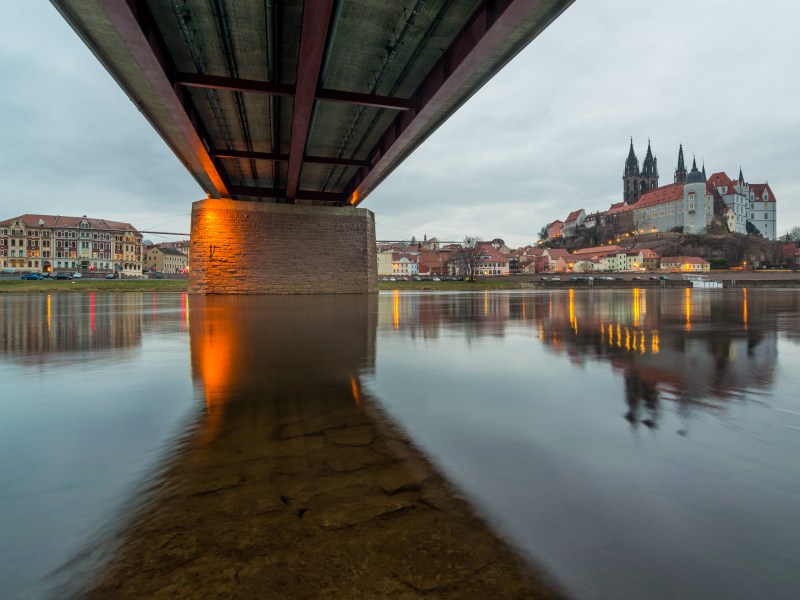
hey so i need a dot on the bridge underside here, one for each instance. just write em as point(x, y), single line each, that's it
point(312, 102)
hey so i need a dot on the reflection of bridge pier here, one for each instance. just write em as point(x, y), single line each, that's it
point(292, 483)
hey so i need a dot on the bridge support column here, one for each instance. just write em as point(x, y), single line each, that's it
point(261, 248)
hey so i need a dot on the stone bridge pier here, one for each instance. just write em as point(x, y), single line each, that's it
point(240, 247)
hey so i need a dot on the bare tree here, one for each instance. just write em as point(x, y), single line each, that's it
point(794, 235)
point(471, 252)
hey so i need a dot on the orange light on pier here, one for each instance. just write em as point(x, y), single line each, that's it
point(354, 388)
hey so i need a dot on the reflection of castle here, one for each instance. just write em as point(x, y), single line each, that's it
point(698, 349)
point(36, 326)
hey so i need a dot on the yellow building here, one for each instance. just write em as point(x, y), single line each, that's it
point(30, 243)
point(165, 260)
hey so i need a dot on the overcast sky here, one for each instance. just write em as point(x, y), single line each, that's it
point(547, 135)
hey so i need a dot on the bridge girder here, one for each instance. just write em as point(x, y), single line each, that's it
point(314, 102)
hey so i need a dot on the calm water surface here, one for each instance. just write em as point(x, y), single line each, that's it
point(632, 444)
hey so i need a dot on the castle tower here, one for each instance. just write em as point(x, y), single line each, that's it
point(630, 177)
point(680, 172)
point(697, 204)
point(648, 179)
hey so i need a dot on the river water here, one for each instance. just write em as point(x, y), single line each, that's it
point(587, 443)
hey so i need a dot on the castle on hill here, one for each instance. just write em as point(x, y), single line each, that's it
point(689, 204)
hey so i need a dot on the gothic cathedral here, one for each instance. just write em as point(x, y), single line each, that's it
point(635, 182)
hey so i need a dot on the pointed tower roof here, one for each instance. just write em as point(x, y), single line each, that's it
point(704, 171)
point(648, 166)
point(695, 176)
point(631, 163)
point(680, 171)
point(741, 178)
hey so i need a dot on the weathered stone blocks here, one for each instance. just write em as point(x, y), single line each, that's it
point(242, 247)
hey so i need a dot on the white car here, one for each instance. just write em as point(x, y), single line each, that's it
point(555, 278)
point(76, 275)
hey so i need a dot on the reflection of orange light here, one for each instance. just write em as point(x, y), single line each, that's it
point(642, 344)
point(744, 308)
point(573, 320)
point(619, 336)
point(356, 391)
point(541, 331)
point(627, 339)
point(688, 308)
point(486, 302)
point(184, 309)
point(602, 332)
point(636, 307)
point(396, 309)
point(654, 343)
point(91, 309)
point(216, 371)
point(49, 312)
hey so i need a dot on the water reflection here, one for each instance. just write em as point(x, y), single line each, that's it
point(292, 483)
point(667, 345)
point(639, 443)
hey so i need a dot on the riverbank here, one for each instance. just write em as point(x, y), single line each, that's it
point(49, 286)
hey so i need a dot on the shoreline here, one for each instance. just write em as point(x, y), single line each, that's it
point(784, 279)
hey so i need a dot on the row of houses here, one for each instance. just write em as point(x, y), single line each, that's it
point(495, 258)
point(53, 243)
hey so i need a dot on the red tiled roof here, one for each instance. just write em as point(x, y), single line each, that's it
point(720, 180)
point(618, 208)
point(647, 253)
point(597, 250)
point(62, 221)
point(667, 193)
point(554, 222)
point(573, 216)
point(758, 190)
point(556, 253)
point(400, 255)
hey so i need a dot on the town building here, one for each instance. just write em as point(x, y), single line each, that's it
point(692, 264)
point(404, 264)
point(32, 242)
point(554, 229)
point(384, 263)
point(165, 260)
point(574, 220)
point(490, 261)
point(762, 204)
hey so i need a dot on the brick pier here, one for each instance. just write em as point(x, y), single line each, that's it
point(259, 248)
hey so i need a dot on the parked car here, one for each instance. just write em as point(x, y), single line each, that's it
point(663, 278)
point(545, 278)
point(32, 277)
point(435, 279)
point(112, 276)
point(636, 278)
point(62, 276)
point(653, 278)
point(555, 278)
point(76, 275)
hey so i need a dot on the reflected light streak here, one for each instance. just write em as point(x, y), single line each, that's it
point(396, 309)
point(654, 343)
point(486, 302)
point(636, 311)
point(356, 391)
point(573, 321)
point(744, 308)
point(642, 344)
point(627, 339)
point(688, 308)
point(49, 312)
point(217, 368)
point(91, 310)
point(619, 335)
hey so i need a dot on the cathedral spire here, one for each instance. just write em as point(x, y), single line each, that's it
point(631, 164)
point(741, 178)
point(680, 172)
